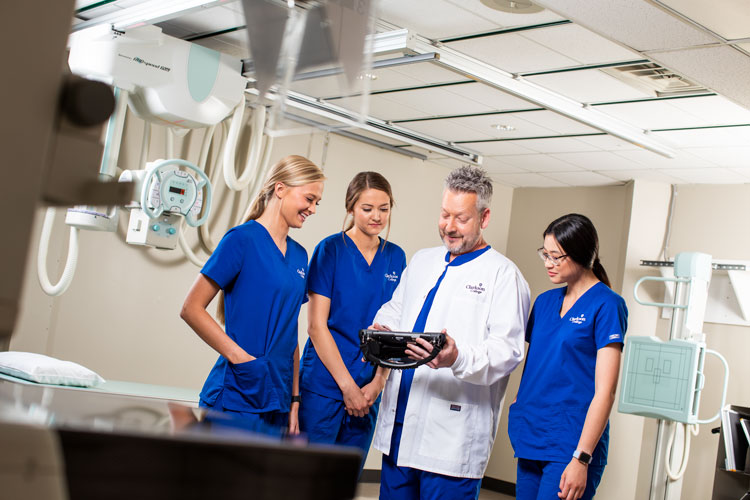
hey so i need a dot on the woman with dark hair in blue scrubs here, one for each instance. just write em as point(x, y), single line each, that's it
point(262, 274)
point(559, 423)
point(352, 273)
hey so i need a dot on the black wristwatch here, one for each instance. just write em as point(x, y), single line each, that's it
point(582, 457)
point(297, 399)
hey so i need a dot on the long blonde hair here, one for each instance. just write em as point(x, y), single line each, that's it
point(292, 171)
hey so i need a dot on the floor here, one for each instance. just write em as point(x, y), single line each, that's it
point(369, 491)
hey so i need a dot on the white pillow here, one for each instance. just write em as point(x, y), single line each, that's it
point(45, 370)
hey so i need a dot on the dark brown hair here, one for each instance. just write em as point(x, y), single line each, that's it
point(576, 234)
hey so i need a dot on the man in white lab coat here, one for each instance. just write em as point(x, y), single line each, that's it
point(437, 423)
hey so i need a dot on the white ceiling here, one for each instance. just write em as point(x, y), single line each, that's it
point(554, 50)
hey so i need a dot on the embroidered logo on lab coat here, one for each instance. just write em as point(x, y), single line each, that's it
point(301, 273)
point(393, 277)
point(578, 320)
point(478, 289)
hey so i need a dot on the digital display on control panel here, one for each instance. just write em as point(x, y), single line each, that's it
point(173, 189)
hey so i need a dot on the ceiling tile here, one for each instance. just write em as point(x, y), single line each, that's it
point(718, 137)
point(744, 172)
point(588, 86)
point(513, 53)
point(428, 72)
point(636, 24)
point(733, 156)
point(437, 101)
point(651, 114)
point(449, 19)
point(556, 122)
point(381, 106)
point(583, 179)
point(493, 98)
point(447, 130)
point(527, 180)
point(707, 175)
point(506, 19)
point(497, 166)
point(646, 174)
point(598, 161)
point(337, 85)
point(607, 142)
point(728, 18)
point(499, 147)
point(538, 163)
point(713, 110)
point(682, 159)
point(523, 127)
point(558, 145)
point(576, 42)
point(444, 19)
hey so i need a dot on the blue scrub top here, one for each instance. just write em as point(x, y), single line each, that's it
point(263, 292)
point(357, 290)
point(557, 386)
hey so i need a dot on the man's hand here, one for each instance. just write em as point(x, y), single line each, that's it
point(355, 402)
point(421, 349)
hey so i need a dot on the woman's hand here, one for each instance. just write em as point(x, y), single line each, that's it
point(355, 402)
point(573, 480)
point(372, 390)
point(294, 419)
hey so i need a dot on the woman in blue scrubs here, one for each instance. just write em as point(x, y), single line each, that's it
point(352, 273)
point(559, 423)
point(262, 273)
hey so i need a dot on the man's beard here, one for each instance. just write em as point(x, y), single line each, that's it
point(463, 246)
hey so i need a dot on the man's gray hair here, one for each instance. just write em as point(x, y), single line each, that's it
point(468, 179)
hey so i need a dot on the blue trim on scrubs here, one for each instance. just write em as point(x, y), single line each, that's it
point(339, 271)
point(407, 376)
point(558, 382)
point(406, 483)
point(263, 292)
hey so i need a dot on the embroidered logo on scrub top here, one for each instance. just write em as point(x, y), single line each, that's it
point(478, 289)
point(455, 407)
point(578, 319)
point(614, 336)
point(392, 277)
point(301, 273)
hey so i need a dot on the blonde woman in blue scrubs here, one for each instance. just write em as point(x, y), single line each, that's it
point(559, 423)
point(262, 273)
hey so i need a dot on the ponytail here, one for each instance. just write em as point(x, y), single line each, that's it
point(599, 272)
point(293, 171)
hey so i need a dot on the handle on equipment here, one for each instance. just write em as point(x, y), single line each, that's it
point(658, 304)
point(203, 183)
point(724, 390)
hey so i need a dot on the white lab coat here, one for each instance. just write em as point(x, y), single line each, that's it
point(452, 413)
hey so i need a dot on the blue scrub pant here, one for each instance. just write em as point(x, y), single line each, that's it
point(272, 423)
point(540, 480)
point(325, 421)
point(406, 483)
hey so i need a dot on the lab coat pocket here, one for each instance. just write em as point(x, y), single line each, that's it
point(448, 430)
point(249, 387)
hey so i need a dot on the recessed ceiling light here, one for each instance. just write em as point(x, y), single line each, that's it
point(369, 76)
point(513, 6)
point(503, 128)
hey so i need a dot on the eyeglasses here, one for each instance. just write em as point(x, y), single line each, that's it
point(556, 261)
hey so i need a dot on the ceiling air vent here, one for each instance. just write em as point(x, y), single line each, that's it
point(652, 78)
